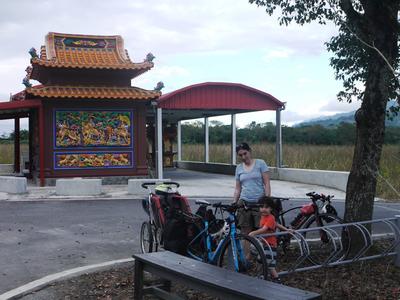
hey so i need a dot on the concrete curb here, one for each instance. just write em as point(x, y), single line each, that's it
point(70, 199)
point(103, 199)
point(47, 280)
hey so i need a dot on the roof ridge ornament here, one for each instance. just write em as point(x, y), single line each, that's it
point(159, 86)
point(26, 82)
point(149, 57)
point(33, 53)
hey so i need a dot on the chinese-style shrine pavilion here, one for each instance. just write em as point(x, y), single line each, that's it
point(85, 118)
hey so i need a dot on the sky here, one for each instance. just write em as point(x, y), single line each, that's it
point(193, 42)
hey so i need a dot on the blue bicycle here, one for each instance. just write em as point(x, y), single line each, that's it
point(226, 247)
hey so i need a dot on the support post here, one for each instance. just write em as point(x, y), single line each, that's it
point(206, 141)
point(159, 147)
point(233, 129)
point(179, 141)
point(17, 149)
point(41, 145)
point(397, 260)
point(138, 280)
point(32, 150)
point(278, 150)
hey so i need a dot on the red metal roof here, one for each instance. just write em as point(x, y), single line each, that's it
point(15, 105)
point(219, 95)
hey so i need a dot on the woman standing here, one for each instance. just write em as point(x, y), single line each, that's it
point(252, 183)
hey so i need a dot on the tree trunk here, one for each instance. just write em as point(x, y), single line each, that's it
point(370, 122)
point(370, 119)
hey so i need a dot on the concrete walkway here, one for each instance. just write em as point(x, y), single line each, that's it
point(193, 184)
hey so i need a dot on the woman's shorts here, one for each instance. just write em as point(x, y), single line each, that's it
point(248, 219)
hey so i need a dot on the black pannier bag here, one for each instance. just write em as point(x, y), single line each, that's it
point(175, 235)
point(178, 229)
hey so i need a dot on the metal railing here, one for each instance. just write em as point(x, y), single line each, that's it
point(337, 240)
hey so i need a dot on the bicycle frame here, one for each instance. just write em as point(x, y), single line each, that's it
point(316, 213)
point(212, 256)
point(303, 221)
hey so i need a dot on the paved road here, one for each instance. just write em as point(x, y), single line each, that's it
point(41, 238)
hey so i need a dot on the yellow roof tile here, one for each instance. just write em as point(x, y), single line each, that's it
point(87, 51)
point(93, 92)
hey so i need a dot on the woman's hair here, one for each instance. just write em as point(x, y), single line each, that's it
point(243, 146)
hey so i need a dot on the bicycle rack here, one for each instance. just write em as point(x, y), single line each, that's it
point(331, 233)
point(396, 231)
point(338, 251)
point(367, 241)
point(304, 249)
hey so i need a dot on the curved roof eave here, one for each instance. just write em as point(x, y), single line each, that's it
point(219, 95)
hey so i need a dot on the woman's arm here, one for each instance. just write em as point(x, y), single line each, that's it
point(236, 195)
point(267, 184)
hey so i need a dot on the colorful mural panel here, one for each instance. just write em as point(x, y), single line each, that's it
point(80, 42)
point(93, 160)
point(93, 128)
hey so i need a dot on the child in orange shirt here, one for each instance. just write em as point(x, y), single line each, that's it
point(269, 225)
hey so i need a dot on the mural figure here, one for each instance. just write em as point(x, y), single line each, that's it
point(93, 128)
point(92, 160)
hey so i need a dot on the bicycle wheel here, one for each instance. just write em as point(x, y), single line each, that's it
point(146, 237)
point(249, 253)
point(325, 247)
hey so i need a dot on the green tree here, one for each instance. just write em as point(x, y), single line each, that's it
point(23, 135)
point(365, 50)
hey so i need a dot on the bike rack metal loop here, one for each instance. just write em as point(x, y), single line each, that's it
point(336, 256)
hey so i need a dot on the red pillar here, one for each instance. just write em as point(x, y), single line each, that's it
point(41, 145)
point(17, 153)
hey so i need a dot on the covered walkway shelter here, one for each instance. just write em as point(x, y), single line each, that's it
point(210, 99)
point(32, 109)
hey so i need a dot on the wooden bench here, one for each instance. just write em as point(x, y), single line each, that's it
point(204, 277)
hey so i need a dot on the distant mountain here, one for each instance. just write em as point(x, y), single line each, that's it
point(335, 120)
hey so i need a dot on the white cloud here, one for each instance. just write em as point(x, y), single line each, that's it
point(304, 82)
point(7, 126)
point(278, 53)
point(334, 106)
point(168, 28)
point(166, 74)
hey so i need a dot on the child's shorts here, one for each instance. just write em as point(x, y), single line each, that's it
point(270, 256)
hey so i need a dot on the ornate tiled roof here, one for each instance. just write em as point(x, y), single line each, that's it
point(87, 52)
point(92, 92)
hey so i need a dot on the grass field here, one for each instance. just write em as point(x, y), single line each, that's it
point(7, 152)
point(335, 158)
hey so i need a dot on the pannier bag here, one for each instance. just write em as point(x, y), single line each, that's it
point(167, 206)
point(175, 235)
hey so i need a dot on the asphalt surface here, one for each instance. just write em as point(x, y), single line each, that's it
point(44, 237)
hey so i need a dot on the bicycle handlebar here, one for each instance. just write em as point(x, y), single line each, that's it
point(314, 196)
point(277, 198)
point(146, 184)
point(228, 207)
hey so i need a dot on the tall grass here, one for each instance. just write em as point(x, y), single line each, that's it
point(7, 152)
point(334, 158)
